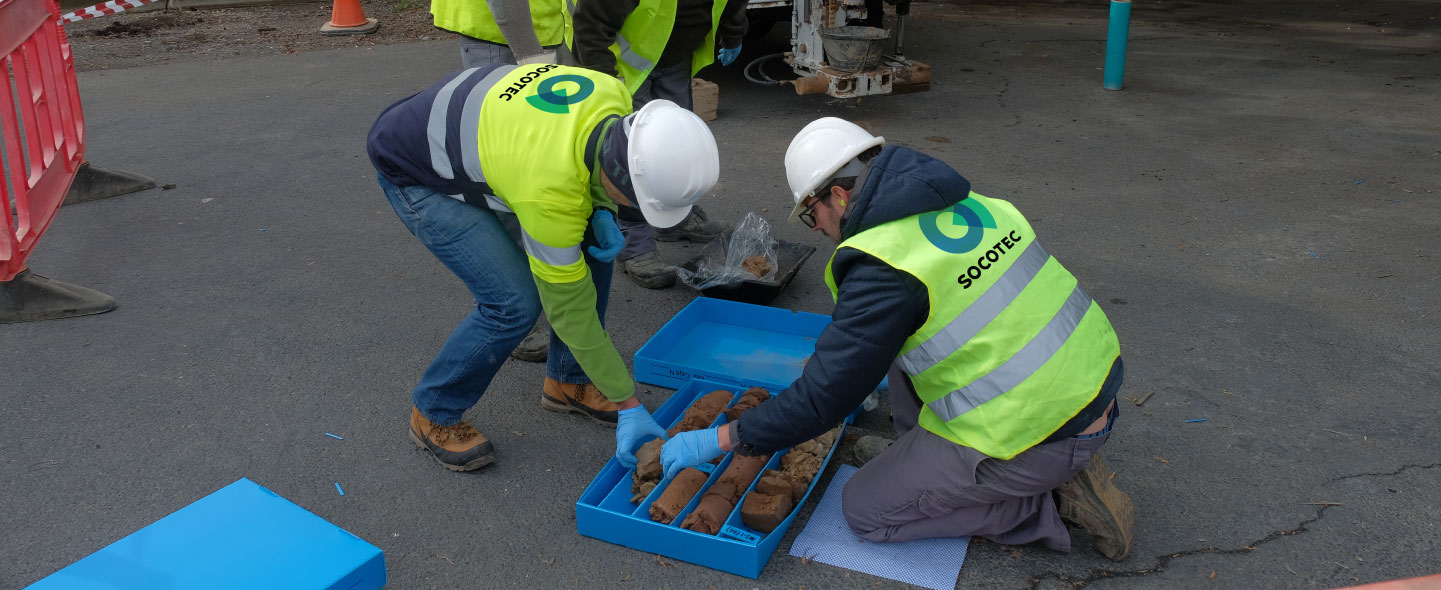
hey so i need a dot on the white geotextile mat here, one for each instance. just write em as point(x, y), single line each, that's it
point(930, 563)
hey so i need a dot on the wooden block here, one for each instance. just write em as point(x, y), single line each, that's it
point(706, 98)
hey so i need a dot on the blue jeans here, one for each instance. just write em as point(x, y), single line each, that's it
point(475, 245)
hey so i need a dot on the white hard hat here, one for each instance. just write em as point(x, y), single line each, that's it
point(672, 160)
point(821, 149)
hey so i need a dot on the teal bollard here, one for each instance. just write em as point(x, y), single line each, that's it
point(1117, 32)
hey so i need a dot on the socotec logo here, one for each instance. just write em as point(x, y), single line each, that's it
point(555, 95)
point(968, 214)
point(973, 216)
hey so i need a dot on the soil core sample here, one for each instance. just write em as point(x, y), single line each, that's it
point(749, 399)
point(777, 493)
point(699, 415)
point(702, 412)
point(765, 512)
point(677, 495)
point(714, 507)
point(718, 502)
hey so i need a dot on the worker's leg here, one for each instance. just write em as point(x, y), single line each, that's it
point(638, 258)
point(670, 83)
point(475, 53)
point(905, 404)
point(472, 243)
point(926, 486)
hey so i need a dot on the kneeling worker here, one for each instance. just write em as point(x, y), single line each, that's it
point(512, 177)
point(1003, 372)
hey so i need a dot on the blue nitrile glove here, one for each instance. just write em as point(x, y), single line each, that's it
point(634, 427)
point(608, 238)
point(727, 56)
point(689, 449)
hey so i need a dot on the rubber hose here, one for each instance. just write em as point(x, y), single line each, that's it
point(763, 80)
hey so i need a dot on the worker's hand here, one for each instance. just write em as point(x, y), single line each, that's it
point(608, 238)
point(544, 57)
point(727, 56)
point(689, 449)
point(635, 427)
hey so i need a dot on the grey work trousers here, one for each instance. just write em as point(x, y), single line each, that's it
point(475, 53)
point(671, 83)
point(925, 486)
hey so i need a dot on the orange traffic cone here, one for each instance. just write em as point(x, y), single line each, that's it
point(348, 18)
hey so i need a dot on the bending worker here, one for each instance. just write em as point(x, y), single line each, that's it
point(1003, 372)
point(552, 152)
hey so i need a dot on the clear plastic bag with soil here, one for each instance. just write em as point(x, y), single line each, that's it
point(747, 254)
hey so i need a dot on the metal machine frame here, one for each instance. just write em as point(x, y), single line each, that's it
point(895, 75)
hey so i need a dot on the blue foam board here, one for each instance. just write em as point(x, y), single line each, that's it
point(730, 342)
point(605, 510)
point(242, 536)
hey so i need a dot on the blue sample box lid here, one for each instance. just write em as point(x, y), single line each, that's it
point(242, 536)
point(732, 343)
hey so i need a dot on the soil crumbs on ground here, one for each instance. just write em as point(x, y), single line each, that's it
point(134, 39)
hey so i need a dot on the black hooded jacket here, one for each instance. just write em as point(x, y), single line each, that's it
point(877, 306)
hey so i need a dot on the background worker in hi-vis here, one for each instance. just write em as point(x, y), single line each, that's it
point(505, 31)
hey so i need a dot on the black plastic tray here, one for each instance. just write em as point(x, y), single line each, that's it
point(789, 258)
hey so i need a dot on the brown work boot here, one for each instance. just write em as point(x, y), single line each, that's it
point(581, 399)
point(459, 447)
point(1089, 500)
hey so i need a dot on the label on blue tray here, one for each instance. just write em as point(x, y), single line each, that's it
point(740, 534)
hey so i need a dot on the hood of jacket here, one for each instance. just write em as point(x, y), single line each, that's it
point(899, 183)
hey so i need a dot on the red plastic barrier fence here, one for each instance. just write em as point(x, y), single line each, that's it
point(42, 131)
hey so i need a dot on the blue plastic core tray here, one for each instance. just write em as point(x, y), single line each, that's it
point(730, 342)
point(605, 511)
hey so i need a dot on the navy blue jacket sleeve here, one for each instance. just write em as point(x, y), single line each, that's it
point(877, 308)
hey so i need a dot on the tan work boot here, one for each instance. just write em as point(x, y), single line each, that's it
point(1089, 500)
point(459, 447)
point(581, 399)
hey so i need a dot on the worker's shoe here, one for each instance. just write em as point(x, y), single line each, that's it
point(582, 399)
point(536, 346)
point(459, 447)
point(869, 447)
point(648, 270)
point(696, 227)
point(1089, 500)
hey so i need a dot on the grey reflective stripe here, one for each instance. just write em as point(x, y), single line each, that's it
point(470, 122)
point(435, 127)
point(496, 204)
point(549, 254)
point(1021, 366)
point(630, 57)
point(980, 313)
